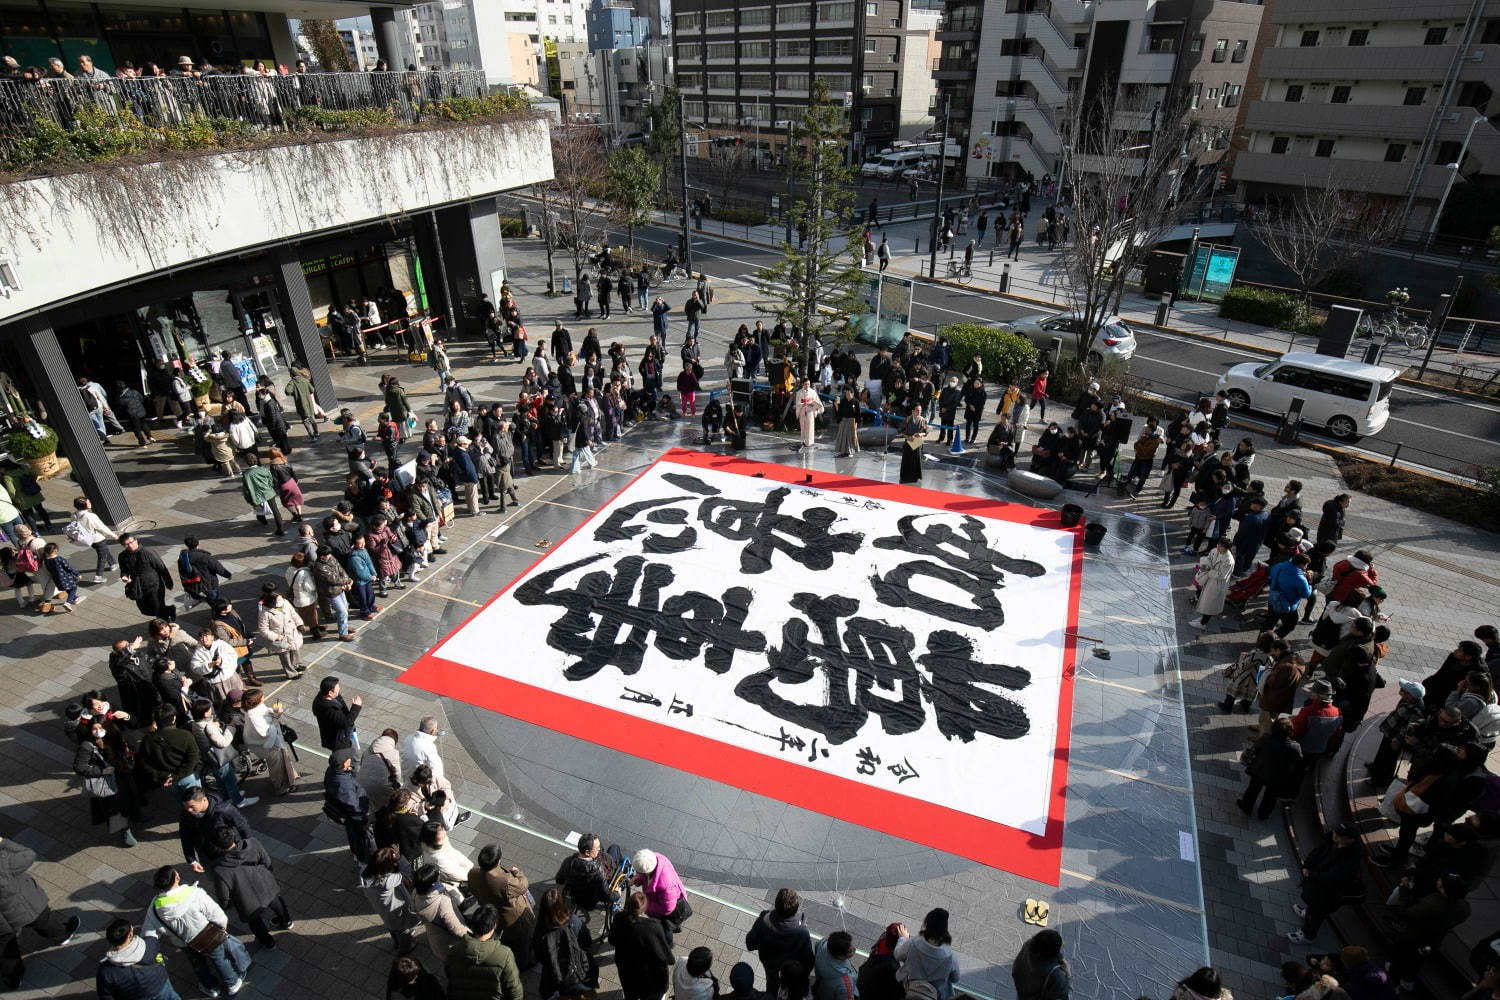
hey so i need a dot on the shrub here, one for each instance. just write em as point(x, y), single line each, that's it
point(1005, 354)
point(739, 216)
point(23, 445)
point(511, 226)
point(1264, 307)
point(459, 109)
point(332, 120)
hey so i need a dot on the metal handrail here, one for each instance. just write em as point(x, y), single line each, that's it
point(266, 102)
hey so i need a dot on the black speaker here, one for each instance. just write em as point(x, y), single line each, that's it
point(739, 390)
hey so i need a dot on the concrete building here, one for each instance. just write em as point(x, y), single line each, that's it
point(241, 253)
point(614, 24)
point(1377, 96)
point(361, 47)
point(746, 68)
point(614, 87)
point(1014, 70)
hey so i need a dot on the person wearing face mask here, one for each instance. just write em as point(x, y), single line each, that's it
point(100, 758)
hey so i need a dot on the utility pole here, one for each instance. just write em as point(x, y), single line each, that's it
point(687, 235)
point(937, 209)
point(1442, 320)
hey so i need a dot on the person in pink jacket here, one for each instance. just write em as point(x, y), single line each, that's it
point(666, 898)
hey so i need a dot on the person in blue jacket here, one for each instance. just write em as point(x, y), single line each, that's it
point(1288, 589)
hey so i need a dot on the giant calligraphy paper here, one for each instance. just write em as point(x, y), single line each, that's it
point(890, 656)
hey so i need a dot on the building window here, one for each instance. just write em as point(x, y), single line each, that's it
point(1279, 144)
point(837, 83)
point(693, 109)
point(1340, 94)
point(1359, 37)
point(791, 81)
point(793, 48)
point(869, 46)
point(1195, 96)
point(833, 47)
point(1231, 96)
point(755, 50)
point(1435, 36)
point(1081, 41)
point(690, 81)
point(843, 11)
point(721, 110)
point(1014, 46)
point(690, 52)
point(721, 19)
point(690, 21)
point(1195, 44)
point(1447, 151)
point(721, 81)
point(1325, 148)
point(1241, 49)
point(872, 9)
point(1414, 96)
point(1309, 39)
point(755, 17)
point(1293, 93)
point(1221, 50)
point(755, 81)
point(1395, 152)
point(797, 13)
point(720, 50)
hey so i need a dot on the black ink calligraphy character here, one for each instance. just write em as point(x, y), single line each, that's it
point(679, 707)
point(903, 771)
point(809, 540)
point(966, 562)
point(789, 741)
point(963, 707)
point(601, 606)
point(868, 760)
point(813, 752)
point(640, 697)
point(868, 668)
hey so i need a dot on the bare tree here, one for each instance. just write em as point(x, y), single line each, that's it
point(327, 47)
point(1127, 171)
point(579, 180)
point(1321, 228)
point(726, 167)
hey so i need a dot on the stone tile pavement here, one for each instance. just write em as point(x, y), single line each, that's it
point(1444, 579)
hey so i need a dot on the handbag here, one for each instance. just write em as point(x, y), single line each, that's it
point(206, 941)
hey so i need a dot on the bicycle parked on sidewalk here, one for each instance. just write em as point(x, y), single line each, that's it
point(1393, 327)
point(960, 271)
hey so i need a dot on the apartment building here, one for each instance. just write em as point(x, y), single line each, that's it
point(746, 68)
point(1013, 70)
point(614, 87)
point(1377, 96)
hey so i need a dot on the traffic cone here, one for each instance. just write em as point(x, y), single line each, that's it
point(957, 447)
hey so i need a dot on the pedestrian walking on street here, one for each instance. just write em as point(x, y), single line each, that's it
point(188, 917)
point(333, 585)
point(24, 905)
point(133, 968)
point(146, 579)
point(1274, 765)
point(86, 528)
point(304, 398)
point(243, 878)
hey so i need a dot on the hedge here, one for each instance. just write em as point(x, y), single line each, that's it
point(739, 216)
point(1005, 354)
point(1264, 307)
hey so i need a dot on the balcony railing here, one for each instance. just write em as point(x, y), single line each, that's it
point(271, 103)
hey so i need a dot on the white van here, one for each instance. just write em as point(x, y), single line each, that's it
point(1349, 399)
point(893, 164)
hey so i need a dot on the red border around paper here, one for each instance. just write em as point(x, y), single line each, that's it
point(1032, 856)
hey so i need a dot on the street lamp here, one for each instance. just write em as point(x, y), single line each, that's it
point(1453, 169)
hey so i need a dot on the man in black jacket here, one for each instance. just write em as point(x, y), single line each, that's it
point(202, 814)
point(345, 801)
point(23, 903)
point(133, 966)
point(583, 877)
point(200, 571)
point(169, 756)
point(243, 879)
point(335, 716)
point(562, 342)
point(778, 935)
point(1332, 876)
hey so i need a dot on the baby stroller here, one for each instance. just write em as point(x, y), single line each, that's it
point(1243, 592)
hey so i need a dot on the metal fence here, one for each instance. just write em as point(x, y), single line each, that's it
point(267, 102)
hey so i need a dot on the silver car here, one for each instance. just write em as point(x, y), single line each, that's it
point(1115, 341)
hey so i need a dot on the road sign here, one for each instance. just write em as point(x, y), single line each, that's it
point(848, 98)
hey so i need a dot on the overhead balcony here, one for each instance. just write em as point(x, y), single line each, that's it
point(113, 182)
point(1376, 177)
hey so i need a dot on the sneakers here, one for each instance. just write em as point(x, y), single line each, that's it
point(463, 816)
point(212, 993)
point(247, 801)
point(1297, 937)
point(72, 926)
point(129, 839)
point(1300, 909)
point(98, 577)
point(233, 988)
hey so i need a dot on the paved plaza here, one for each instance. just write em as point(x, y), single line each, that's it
point(1161, 871)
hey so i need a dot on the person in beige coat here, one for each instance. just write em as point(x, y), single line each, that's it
point(436, 905)
point(380, 769)
point(280, 626)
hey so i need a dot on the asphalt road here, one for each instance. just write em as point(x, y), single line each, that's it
point(1433, 430)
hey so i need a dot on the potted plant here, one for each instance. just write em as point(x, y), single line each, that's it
point(1397, 297)
point(201, 388)
point(36, 445)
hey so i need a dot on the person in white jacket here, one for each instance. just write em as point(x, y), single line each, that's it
point(450, 862)
point(265, 722)
point(179, 914)
point(215, 660)
point(421, 748)
point(87, 529)
point(279, 625)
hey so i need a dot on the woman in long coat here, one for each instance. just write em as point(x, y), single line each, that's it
point(913, 436)
point(809, 406)
point(382, 543)
point(847, 412)
point(1213, 582)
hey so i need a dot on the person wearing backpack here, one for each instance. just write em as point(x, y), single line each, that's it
point(1039, 971)
point(86, 528)
point(25, 564)
point(199, 571)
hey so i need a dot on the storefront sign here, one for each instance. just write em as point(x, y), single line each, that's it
point(890, 656)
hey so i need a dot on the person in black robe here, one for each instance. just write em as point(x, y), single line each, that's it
point(913, 435)
point(146, 579)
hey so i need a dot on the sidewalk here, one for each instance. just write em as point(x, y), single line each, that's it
point(1038, 276)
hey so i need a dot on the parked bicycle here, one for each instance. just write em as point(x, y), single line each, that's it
point(1396, 327)
point(677, 276)
point(960, 271)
